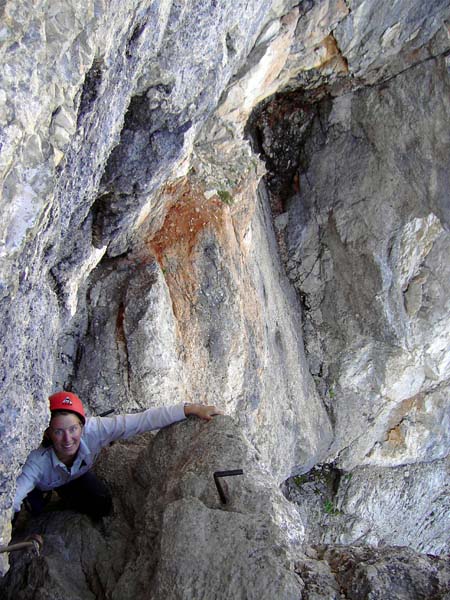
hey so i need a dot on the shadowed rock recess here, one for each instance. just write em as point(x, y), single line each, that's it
point(240, 203)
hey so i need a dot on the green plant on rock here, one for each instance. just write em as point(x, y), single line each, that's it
point(300, 480)
point(225, 196)
point(329, 508)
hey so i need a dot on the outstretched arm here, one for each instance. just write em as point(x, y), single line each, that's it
point(202, 411)
point(26, 481)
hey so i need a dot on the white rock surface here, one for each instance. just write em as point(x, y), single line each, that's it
point(138, 261)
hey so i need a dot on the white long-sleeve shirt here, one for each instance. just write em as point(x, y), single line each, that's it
point(44, 470)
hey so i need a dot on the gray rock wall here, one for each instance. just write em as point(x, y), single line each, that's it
point(209, 324)
point(397, 506)
point(367, 250)
point(138, 261)
point(170, 536)
point(77, 83)
point(358, 184)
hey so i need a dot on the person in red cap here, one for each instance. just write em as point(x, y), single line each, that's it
point(71, 446)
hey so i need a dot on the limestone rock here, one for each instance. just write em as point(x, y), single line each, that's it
point(377, 506)
point(371, 356)
point(255, 523)
point(361, 573)
point(138, 259)
point(181, 320)
point(380, 39)
point(77, 81)
point(171, 537)
point(405, 506)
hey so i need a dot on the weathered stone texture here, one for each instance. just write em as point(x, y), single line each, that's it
point(171, 537)
point(169, 524)
point(400, 506)
point(366, 250)
point(381, 39)
point(139, 265)
point(360, 573)
point(72, 88)
point(208, 322)
point(404, 506)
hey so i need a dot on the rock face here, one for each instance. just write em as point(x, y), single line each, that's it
point(238, 203)
point(385, 271)
point(360, 573)
point(367, 253)
point(172, 537)
point(402, 506)
point(169, 524)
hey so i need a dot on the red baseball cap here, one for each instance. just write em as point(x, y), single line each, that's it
point(67, 401)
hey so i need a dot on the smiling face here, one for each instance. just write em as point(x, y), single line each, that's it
point(65, 433)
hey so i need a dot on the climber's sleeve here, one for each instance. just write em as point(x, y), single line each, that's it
point(103, 430)
point(26, 481)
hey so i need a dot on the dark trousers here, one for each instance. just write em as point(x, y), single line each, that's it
point(86, 494)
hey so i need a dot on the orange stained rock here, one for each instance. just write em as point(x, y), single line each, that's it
point(174, 245)
point(185, 220)
point(407, 407)
point(331, 51)
point(190, 221)
point(395, 437)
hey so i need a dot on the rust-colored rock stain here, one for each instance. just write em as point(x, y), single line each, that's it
point(188, 216)
point(193, 223)
point(395, 436)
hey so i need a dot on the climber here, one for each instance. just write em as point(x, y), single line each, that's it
point(71, 445)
